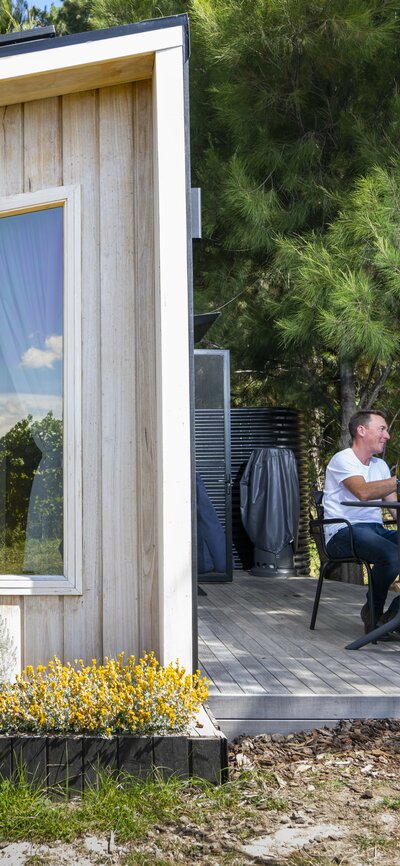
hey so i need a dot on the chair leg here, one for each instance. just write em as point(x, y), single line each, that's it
point(370, 597)
point(322, 570)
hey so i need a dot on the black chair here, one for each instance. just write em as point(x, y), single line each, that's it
point(328, 561)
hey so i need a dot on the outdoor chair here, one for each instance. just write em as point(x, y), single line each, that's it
point(327, 561)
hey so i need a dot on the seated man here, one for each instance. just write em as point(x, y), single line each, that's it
point(357, 474)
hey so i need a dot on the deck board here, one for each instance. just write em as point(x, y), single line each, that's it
point(345, 664)
point(269, 672)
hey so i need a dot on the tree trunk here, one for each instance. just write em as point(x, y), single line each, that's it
point(315, 449)
point(347, 399)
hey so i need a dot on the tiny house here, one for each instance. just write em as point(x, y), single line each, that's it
point(95, 343)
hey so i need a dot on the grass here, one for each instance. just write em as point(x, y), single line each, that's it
point(170, 821)
point(37, 860)
point(366, 843)
point(326, 785)
point(130, 807)
point(315, 860)
point(139, 859)
point(391, 803)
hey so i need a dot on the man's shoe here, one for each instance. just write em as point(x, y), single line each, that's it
point(384, 618)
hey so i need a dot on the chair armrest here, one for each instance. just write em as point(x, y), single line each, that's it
point(328, 521)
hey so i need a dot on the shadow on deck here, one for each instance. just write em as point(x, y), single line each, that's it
point(270, 673)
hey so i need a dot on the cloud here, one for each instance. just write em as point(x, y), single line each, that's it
point(15, 407)
point(38, 358)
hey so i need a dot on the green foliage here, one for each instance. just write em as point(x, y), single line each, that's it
point(295, 118)
point(344, 290)
point(128, 809)
point(20, 16)
point(73, 16)
point(131, 807)
point(289, 81)
point(345, 286)
point(301, 109)
point(110, 13)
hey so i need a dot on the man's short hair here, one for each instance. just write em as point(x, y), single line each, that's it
point(363, 416)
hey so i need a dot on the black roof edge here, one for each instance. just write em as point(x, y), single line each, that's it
point(28, 35)
point(33, 43)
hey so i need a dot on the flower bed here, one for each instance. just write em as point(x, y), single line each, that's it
point(107, 699)
point(63, 724)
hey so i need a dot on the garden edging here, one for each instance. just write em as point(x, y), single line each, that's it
point(73, 763)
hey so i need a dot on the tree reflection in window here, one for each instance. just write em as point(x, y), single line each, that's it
point(31, 429)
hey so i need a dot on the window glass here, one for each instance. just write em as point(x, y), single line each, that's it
point(31, 392)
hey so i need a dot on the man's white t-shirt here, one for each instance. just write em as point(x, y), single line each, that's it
point(343, 465)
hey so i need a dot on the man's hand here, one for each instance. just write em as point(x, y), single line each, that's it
point(363, 489)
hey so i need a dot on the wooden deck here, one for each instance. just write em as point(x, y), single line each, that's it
point(270, 673)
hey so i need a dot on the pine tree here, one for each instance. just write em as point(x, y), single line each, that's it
point(302, 105)
point(293, 103)
point(345, 288)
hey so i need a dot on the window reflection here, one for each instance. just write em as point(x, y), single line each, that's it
point(31, 432)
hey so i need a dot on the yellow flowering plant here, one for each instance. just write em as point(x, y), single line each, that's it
point(115, 697)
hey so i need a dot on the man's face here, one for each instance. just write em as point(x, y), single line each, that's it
point(375, 434)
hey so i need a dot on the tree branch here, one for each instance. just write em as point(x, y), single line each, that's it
point(377, 387)
point(311, 377)
point(364, 392)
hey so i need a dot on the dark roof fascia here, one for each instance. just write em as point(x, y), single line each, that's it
point(17, 36)
point(43, 44)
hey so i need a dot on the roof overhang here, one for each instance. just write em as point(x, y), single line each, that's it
point(53, 67)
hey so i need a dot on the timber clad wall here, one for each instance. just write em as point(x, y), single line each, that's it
point(102, 140)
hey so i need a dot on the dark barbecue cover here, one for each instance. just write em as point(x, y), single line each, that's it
point(270, 499)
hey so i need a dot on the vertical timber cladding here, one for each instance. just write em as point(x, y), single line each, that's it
point(11, 181)
point(128, 369)
point(102, 140)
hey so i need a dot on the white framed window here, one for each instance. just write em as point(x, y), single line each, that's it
point(40, 393)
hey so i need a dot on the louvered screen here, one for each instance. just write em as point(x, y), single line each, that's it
point(210, 456)
point(212, 441)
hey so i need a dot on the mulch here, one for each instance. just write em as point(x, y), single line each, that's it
point(374, 737)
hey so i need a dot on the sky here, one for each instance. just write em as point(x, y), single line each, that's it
point(31, 314)
point(45, 4)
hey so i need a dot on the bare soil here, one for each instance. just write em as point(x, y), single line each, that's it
point(309, 799)
point(347, 777)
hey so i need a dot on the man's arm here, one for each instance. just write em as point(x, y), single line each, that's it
point(392, 498)
point(363, 489)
